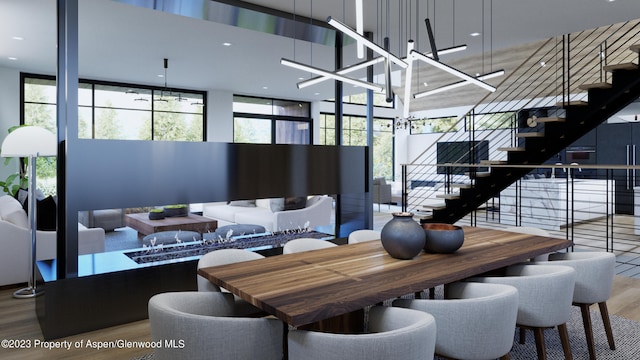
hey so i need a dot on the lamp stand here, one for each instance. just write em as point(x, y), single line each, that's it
point(31, 290)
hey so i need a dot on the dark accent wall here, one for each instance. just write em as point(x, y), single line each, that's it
point(115, 174)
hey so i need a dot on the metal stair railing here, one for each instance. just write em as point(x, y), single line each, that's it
point(551, 75)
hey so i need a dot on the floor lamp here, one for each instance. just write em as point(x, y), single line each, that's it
point(30, 142)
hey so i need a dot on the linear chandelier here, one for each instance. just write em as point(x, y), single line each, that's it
point(315, 70)
point(432, 58)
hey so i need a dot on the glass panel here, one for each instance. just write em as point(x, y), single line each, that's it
point(85, 123)
point(383, 148)
point(122, 124)
point(122, 97)
point(292, 132)
point(291, 108)
point(40, 114)
point(252, 105)
point(256, 131)
point(172, 126)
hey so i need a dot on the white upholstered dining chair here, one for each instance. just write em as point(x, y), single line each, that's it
point(363, 235)
point(545, 294)
point(223, 257)
point(305, 244)
point(394, 333)
point(594, 280)
point(476, 321)
point(208, 327)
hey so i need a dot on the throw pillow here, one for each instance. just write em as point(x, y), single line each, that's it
point(295, 203)
point(46, 212)
point(243, 203)
point(276, 204)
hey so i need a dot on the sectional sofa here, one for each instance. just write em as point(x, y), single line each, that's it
point(270, 213)
point(15, 242)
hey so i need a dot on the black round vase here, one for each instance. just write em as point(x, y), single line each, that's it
point(402, 237)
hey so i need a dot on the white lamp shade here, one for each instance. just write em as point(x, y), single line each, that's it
point(29, 141)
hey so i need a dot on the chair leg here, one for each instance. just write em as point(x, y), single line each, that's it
point(540, 348)
point(523, 335)
point(588, 330)
point(607, 324)
point(564, 339)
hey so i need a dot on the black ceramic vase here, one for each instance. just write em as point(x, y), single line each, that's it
point(402, 237)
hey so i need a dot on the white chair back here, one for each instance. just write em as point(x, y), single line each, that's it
point(305, 244)
point(363, 235)
point(477, 321)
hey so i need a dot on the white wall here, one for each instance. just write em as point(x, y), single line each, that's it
point(219, 116)
point(9, 111)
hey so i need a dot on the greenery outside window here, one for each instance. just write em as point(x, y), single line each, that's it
point(379, 100)
point(354, 133)
point(113, 111)
point(271, 121)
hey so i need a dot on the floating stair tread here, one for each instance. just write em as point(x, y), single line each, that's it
point(623, 66)
point(529, 134)
point(451, 196)
point(598, 85)
point(479, 174)
point(435, 206)
point(512, 149)
point(635, 48)
point(572, 103)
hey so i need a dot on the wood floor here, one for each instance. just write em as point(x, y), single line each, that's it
point(18, 322)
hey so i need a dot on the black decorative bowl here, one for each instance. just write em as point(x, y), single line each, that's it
point(156, 215)
point(442, 238)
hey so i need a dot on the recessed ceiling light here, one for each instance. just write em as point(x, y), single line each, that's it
point(317, 94)
point(17, 38)
point(265, 87)
point(226, 44)
point(12, 58)
point(300, 78)
point(160, 75)
point(474, 34)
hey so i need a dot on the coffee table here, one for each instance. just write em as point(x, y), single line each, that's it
point(192, 222)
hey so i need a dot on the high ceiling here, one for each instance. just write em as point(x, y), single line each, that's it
point(125, 43)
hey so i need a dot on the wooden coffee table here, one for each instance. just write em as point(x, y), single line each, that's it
point(192, 222)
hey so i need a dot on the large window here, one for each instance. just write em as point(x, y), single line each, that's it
point(114, 111)
point(120, 111)
point(354, 132)
point(379, 100)
point(271, 121)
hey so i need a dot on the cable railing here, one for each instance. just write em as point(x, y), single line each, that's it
point(568, 203)
point(553, 75)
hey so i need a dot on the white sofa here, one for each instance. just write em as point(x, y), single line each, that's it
point(317, 212)
point(15, 242)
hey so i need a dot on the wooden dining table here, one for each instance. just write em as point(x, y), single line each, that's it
point(309, 287)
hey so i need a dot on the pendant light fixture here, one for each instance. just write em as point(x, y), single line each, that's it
point(162, 92)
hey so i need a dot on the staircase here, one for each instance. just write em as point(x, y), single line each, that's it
point(596, 92)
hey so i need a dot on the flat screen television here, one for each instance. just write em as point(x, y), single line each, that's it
point(463, 152)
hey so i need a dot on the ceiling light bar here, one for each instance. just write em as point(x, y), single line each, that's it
point(366, 42)
point(407, 81)
point(451, 70)
point(360, 26)
point(458, 84)
point(303, 67)
point(343, 71)
point(449, 50)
